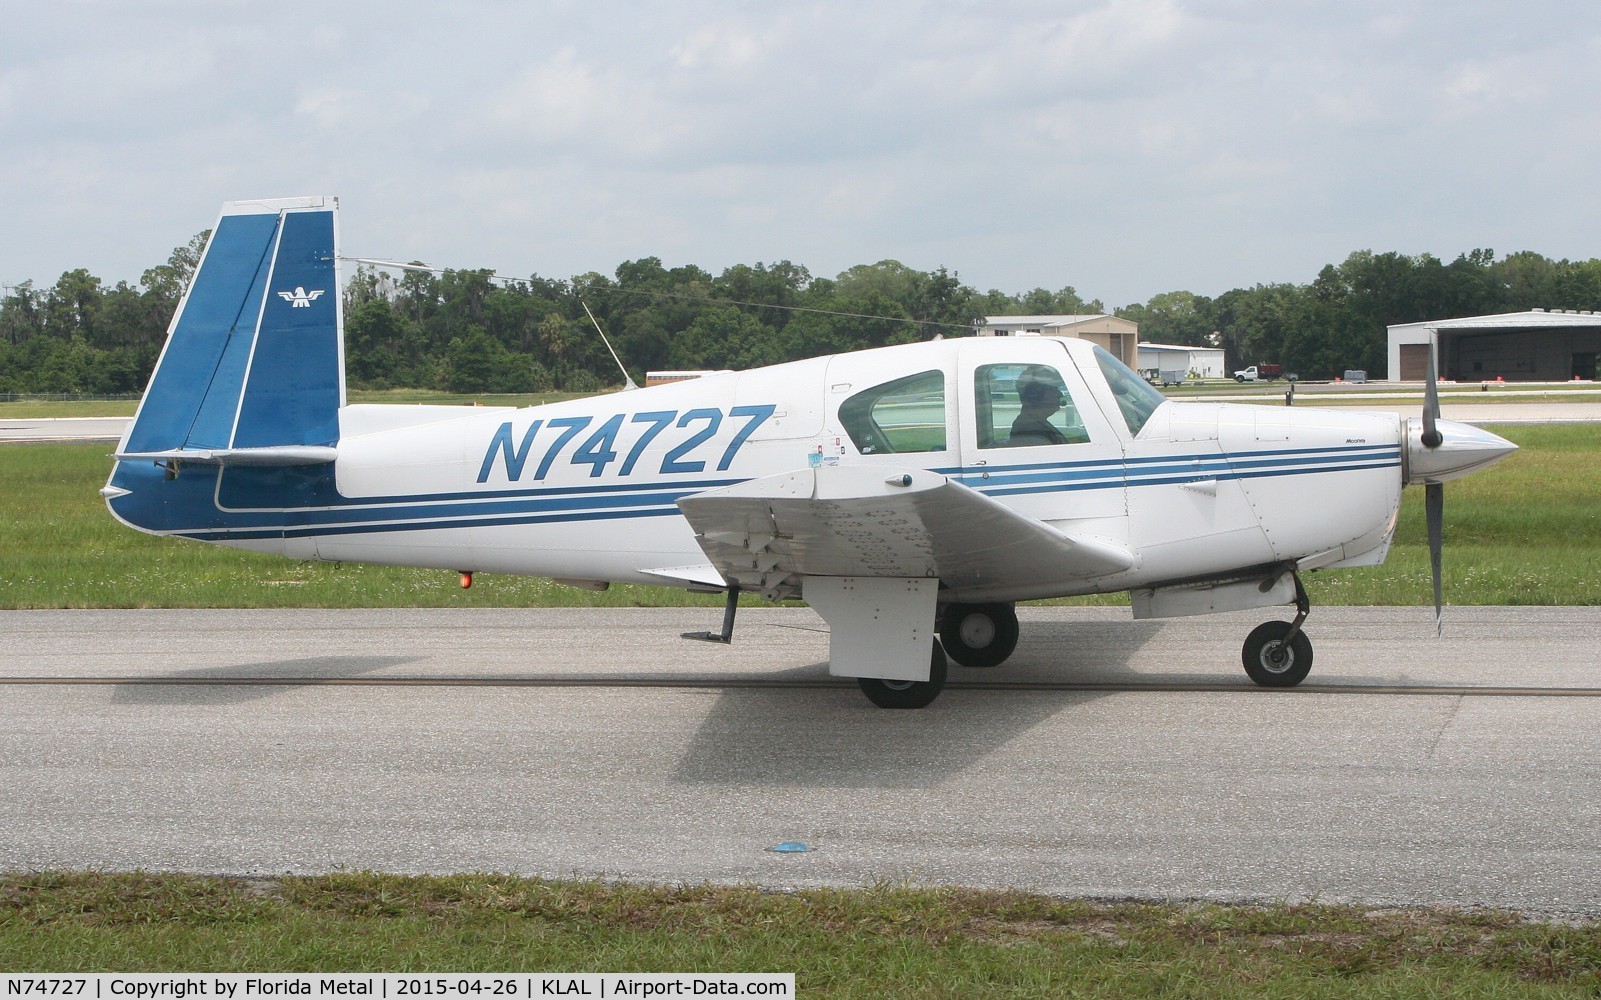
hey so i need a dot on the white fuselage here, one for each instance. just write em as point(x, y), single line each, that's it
point(586, 490)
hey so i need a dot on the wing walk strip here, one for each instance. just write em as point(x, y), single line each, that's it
point(462, 510)
point(733, 683)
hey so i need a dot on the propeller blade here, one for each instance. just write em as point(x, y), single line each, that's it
point(1431, 405)
point(1434, 508)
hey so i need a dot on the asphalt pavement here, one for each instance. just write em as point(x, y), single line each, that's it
point(1108, 758)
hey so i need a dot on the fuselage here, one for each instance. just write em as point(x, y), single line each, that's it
point(586, 490)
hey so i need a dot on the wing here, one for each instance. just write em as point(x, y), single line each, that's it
point(768, 534)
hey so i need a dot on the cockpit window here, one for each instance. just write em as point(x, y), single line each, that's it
point(1019, 405)
point(906, 415)
point(1137, 398)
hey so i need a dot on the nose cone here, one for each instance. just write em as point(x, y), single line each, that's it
point(1463, 449)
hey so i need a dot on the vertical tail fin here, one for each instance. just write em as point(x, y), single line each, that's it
point(253, 369)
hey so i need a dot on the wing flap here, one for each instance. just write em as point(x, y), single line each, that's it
point(768, 534)
point(703, 576)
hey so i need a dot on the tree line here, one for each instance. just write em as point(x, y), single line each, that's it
point(470, 331)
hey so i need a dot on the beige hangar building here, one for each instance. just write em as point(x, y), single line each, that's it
point(1118, 336)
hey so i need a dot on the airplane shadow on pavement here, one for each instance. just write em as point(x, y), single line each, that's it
point(239, 683)
point(835, 738)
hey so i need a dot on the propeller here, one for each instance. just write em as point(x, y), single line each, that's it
point(1434, 493)
point(1438, 450)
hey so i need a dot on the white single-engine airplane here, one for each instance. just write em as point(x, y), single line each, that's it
point(901, 492)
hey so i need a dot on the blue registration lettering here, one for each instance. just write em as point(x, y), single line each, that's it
point(515, 457)
point(657, 419)
point(572, 426)
point(757, 416)
point(597, 450)
point(673, 463)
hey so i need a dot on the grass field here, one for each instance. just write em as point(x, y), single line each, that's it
point(1526, 532)
point(882, 942)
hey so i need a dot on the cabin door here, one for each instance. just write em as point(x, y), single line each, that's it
point(1034, 437)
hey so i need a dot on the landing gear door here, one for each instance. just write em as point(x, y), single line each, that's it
point(1034, 438)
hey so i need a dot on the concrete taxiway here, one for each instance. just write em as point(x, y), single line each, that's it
point(1109, 758)
point(34, 429)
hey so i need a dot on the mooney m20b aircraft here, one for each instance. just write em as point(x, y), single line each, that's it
point(903, 493)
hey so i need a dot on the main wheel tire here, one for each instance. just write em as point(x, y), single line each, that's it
point(979, 635)
point(1273, 663)
point(907, 694)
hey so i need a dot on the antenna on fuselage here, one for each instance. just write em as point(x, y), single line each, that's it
point(628, 380)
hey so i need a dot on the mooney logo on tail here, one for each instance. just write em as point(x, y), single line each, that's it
point(300, 298)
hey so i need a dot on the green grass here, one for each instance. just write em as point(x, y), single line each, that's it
point(1526, 532)
point(34, 409)
point(63, 549)
point(881, 942)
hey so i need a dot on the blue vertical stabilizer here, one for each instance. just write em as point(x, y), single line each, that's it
point(251, 381)
point(254, 357)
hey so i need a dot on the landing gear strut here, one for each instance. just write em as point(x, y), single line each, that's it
point(726, 636)
point(1278, 654)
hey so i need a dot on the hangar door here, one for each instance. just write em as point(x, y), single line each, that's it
point(1414, 362)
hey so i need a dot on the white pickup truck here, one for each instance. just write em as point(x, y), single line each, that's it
point(1260, 372)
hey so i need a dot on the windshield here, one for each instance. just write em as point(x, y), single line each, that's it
point(1137, 398)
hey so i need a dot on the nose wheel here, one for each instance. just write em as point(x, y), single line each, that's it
point(1278, 654)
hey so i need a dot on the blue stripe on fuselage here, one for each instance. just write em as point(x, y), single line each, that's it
point(299, 502)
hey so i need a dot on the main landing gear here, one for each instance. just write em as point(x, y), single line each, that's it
point(908, 694)
point(979, 635)
point(974, 635)
point(1278, 654)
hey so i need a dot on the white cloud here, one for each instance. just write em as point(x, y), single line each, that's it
point(1126, 147)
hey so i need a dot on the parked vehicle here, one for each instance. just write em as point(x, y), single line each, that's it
point(1265, 373)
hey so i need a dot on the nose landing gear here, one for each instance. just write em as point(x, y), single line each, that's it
point(1278, 654)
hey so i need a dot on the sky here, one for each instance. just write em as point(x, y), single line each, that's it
point(1124, 148)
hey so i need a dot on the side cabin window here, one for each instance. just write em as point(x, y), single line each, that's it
point(1021, 405)
point(1136, 398)
point(906, 415)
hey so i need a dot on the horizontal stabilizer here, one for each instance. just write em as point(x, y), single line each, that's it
point(854, 521)
point(289, 454)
